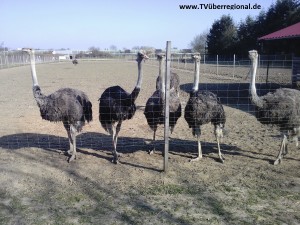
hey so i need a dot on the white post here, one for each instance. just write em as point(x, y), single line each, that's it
point(1, 61)
point(167, 105)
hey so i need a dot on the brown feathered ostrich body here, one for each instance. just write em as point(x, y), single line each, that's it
point(280, 108)
point(70, 106)
point(117, 105)
point(204, 107)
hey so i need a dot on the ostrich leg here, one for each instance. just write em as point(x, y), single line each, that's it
point(219, 134)
point(153, 142)
point(116, 131)
point(67, 127)
point(199, 150)
point(73, 133)
point(71, 130)
point(283, 150)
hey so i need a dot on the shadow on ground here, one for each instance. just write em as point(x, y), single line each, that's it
point(102, 143)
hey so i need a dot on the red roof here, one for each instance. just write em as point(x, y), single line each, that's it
point(288, 32)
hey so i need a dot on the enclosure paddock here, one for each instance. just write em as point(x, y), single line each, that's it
point(36, 178)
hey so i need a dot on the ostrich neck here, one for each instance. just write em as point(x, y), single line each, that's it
point(161, 74)
point(33, 71)
point(196, 76)
point(134, 94)
point(254, 97)
point(140, 75)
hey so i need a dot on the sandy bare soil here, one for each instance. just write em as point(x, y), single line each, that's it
point(39, 186)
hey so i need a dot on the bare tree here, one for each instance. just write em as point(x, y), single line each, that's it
point(113, 48)
point(198, 44)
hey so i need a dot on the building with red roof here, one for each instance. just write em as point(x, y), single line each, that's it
point(284, 41)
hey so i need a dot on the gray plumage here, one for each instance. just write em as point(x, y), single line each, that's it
point(67, 105)
point(174, 82)
point(280, 108)
point(70, 106)
point(155, 106)
point(204, 107)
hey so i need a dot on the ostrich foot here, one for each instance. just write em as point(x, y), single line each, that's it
point(277, 161)
point(115, 160)
point(70, 152)
point(72, 158)
point(195, 159)
point(222, 158)
point(151, 152)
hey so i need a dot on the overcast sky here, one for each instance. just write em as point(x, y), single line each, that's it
point(81, 24)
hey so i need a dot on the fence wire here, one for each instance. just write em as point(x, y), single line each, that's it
point(10, 59)
point(23, 126)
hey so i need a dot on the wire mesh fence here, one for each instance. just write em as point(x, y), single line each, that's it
point(270, 66)
point(31, 147)
point(227, 77)
point(271, 69)
point(10, 59)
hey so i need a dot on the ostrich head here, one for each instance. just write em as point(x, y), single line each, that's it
point(196, 56)
point(253, 55)
point(141, 55)
point(160, 56)
point(30, 51)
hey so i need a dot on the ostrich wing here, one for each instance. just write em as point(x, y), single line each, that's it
point(281, 108)
point(64, 105)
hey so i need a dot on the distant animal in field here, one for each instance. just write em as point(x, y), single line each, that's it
point(70, 106)
point(280, 108)
point(75, 62)
point(117, 105)
point(204, 107)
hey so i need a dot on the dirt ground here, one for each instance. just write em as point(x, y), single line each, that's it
point(39, 186)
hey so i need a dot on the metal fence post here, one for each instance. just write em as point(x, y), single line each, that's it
point(167, 95)
point(233, 65)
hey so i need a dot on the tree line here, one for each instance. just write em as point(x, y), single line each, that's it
point(226, 37)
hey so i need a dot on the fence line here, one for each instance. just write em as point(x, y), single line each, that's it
point(13, 59)
point(230, 66)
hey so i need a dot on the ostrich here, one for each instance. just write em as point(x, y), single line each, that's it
point(280, 108)
point(70, 106)
point(75, 62)
point(154, 111)
point(204, 107)
point(117, 105)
